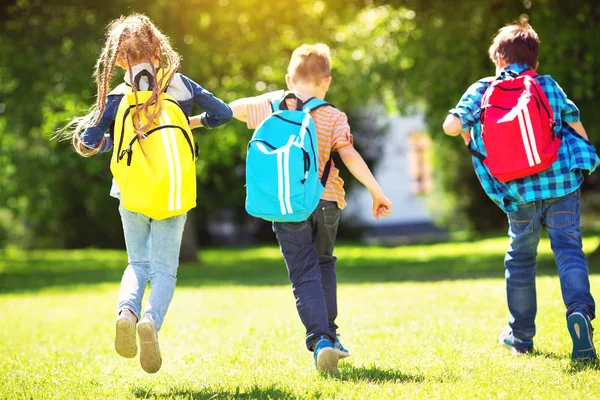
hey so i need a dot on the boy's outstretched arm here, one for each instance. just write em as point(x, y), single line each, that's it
point(240, 109)
point(382, 206)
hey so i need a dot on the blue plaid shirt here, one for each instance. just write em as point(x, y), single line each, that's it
point(563, 177)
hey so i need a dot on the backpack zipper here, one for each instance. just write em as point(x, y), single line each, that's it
point(122, 131)
point(129, 150)
point(126, 114)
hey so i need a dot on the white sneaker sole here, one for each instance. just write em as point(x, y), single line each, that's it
point(512, 350)
point(342, 354)
point(150, 357)
point(125, 338)
point(327, 360)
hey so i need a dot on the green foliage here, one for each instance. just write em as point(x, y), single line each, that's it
point(392, 55)
point(232, 48)
point(428, 330)
point(449, 52)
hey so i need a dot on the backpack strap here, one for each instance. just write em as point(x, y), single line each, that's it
point(530, 73)
point(314, 103)
point(309, 105)
point(474, 152)
point(326, 171)
point(513, 74)
point(152, 81)
point(488, 79)
point(148, 75)
point(281, 104)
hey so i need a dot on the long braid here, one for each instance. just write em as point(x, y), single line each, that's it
point(104, 73)
point(108, 75)
point(129, 40)
point(109, 61)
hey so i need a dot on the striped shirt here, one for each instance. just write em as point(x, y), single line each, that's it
point(333, 132)
point(564, 176)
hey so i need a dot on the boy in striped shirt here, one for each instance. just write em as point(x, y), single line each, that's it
point(549, 198)
point(307, 246)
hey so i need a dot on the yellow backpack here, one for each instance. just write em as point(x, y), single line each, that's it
point(157, 177)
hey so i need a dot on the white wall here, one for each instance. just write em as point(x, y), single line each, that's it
point(393, 174)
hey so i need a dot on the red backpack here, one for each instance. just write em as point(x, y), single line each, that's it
point(517, 127)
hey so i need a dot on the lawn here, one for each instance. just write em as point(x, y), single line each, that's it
point(421, 321)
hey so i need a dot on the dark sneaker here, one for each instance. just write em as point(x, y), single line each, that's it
point(339, 347)
point(125, 341)
point(514, 344)
point(150, 357)
point(326, 357)
point(581, 332)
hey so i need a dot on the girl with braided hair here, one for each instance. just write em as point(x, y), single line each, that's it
point(134, 44)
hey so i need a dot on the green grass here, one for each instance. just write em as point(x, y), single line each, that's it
point(422, 322)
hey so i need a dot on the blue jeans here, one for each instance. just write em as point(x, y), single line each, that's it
point(307, 248)
point(561, 217)
point(153, 251)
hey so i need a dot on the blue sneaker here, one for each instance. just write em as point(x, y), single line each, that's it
point(339, 347)
point(514, 344)
point(326, 358)
point(581, 332)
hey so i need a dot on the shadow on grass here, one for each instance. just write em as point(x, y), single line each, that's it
point(254, 392)
point(263, 266)
point(374, 374)
point(547, 354)
point(576, 367)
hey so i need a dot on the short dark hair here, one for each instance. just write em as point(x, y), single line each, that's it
point(516, 43)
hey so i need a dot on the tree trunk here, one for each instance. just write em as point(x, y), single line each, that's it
point(595, 254)
point(189, 243)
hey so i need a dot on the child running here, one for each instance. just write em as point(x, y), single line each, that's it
point(307, 246)
point(529, 150)
point(154, 167)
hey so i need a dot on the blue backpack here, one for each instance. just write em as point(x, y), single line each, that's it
point(282, 166)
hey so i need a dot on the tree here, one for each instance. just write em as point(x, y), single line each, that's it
point(447, 51)
point(399, 54)
point(50, 196)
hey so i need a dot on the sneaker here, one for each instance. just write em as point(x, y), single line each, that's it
point(326, 357)
point(339, 347)
point(514, 344)
point(150, 357)
point(125, 341)
point(581, 332)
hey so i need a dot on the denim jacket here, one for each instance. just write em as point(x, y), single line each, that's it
point(183, 89)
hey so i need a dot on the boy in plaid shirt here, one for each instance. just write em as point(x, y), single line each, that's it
point(550, 197)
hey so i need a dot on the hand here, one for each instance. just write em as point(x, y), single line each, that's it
point(381, 206)
point(195, 122)
point(466, 135)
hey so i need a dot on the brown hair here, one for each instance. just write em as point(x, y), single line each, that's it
point(310, 63)
point(129, 41)
point(515, 43)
